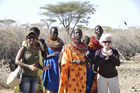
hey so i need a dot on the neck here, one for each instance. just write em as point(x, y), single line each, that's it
point(97, 37)
point(78, 41)
point(106, 49)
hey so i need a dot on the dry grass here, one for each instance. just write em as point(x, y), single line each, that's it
point(126, 41)
point(11, 38)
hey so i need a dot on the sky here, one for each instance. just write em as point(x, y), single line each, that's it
point(111, 13)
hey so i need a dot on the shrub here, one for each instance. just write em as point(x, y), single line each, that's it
point(126, 41)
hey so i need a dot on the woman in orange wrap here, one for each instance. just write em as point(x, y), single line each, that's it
point(73, 71)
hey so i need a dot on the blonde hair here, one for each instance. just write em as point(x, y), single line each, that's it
point(104, 36)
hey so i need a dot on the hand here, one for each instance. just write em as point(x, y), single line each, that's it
point(55, 53)
point(107, 57)
point(110, 52)
point(47, 67)
point(33, 67)
point(76, 61)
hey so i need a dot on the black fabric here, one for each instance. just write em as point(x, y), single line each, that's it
point(89, 57)
point(107, 68)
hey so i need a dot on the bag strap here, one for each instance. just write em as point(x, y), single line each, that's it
point(25, 49)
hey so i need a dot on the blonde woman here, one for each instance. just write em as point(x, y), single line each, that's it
point(107, 59)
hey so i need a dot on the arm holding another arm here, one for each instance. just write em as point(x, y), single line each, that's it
point(18, 61)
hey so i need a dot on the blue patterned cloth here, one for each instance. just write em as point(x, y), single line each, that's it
point(51, 76)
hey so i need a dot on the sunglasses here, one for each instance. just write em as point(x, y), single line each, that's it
point(106, 41)
point(31, 36)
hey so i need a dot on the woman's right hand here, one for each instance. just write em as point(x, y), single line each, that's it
point(47, 67)
point(33, 67)
point(110, 52)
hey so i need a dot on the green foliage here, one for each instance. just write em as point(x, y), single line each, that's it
point(81, 27)
point(69, 13)
point(37, 25)
point(107, 28)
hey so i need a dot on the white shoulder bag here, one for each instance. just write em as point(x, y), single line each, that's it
point(15, 77)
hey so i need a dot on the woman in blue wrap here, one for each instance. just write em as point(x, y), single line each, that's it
point(53, 48)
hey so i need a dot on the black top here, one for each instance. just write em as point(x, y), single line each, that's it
point(107, 68)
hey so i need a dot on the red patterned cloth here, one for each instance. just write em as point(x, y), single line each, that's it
point(94, 43)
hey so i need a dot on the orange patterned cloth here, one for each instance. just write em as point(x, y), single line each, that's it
point(73, 76)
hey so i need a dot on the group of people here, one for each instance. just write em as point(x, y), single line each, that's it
point(69, 68)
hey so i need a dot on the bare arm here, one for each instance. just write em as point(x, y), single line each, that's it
point(43, 68)
point(19, 57)
point(18, 60)
point(51, 55)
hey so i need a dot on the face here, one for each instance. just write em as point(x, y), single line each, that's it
point(72, 36)
point(86, 40)
point(107, 43)
point(98, 31)
point(31, 39)
point(78, 35)
point(54, 34)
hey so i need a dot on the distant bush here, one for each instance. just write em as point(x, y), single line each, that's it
point(126, 41)
point(10, 41)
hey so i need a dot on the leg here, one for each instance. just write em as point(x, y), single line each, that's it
point(33, 85)
point(25, 85)
point(114, 85)
point(102, 84)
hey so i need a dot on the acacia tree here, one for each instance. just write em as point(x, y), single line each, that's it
point(70, 13)
point(107, 28)
point(48, 22)
point(7, 22)
point(81, 26)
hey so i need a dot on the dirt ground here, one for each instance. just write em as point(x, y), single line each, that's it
point(129, 78)
point(6, 91)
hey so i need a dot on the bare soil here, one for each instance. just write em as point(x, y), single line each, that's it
point(129, 78)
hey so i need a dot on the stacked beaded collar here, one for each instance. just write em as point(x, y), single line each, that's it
point(55, 45)
point(79, 49)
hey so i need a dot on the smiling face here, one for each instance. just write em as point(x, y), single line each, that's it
point(98, 31)
point(31, 39)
